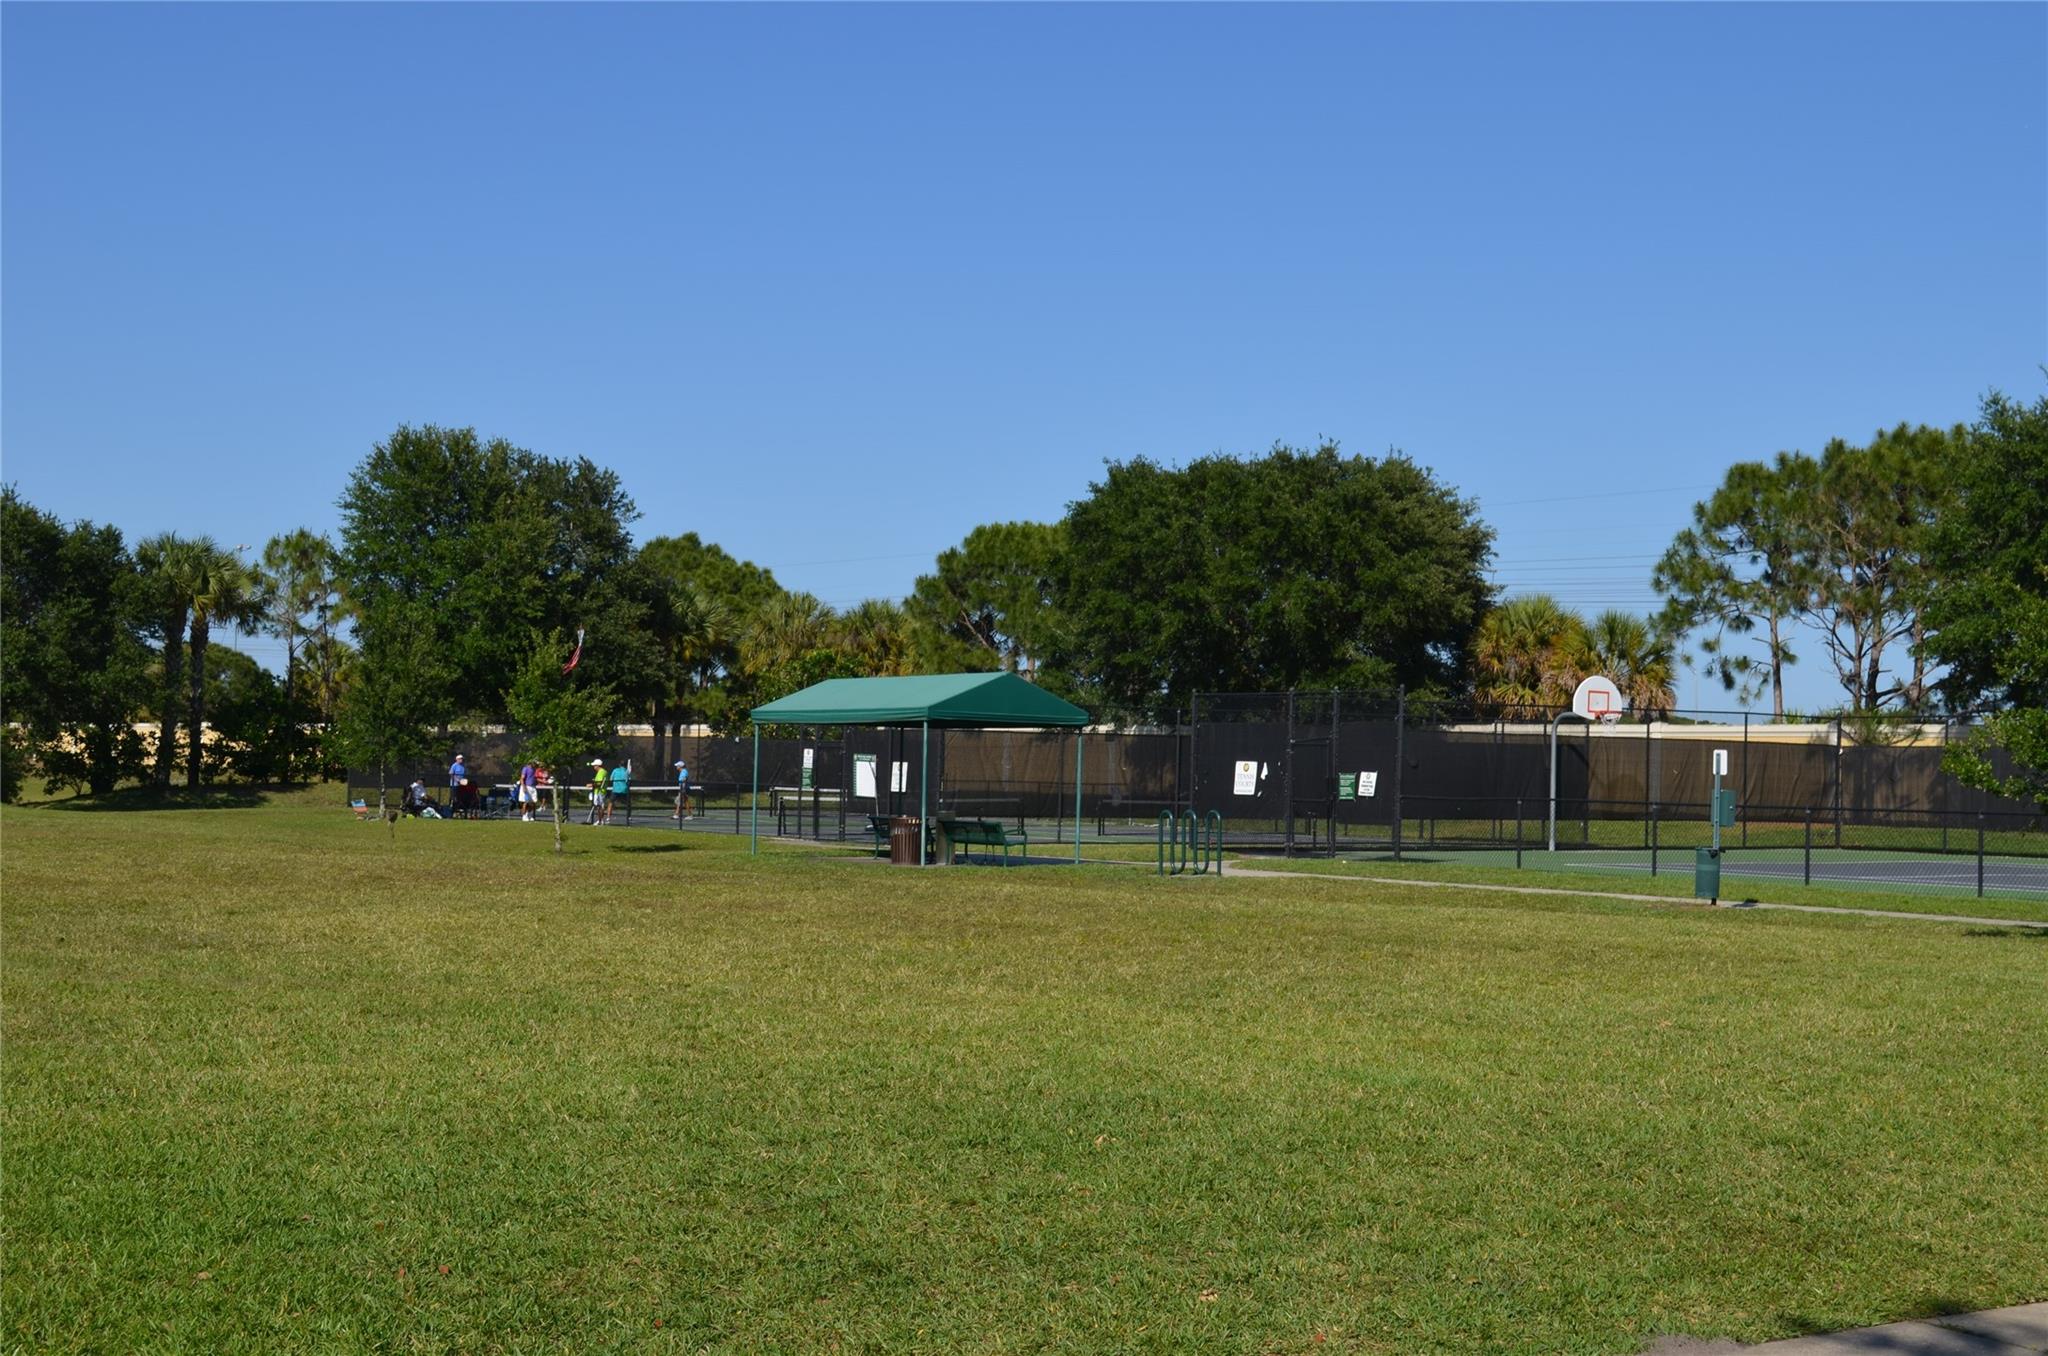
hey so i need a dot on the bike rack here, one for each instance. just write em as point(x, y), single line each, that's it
point(1190, 841)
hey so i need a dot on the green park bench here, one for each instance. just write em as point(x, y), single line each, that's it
point(985, 833)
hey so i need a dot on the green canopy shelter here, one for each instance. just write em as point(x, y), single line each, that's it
point(946, 701)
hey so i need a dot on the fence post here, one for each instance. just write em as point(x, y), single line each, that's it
point(1518, 833)
point(1649, 795)
point(1653, 837)
point(1980, 855)
point(1742, 782)
point(1838, 781)
point(1336, 744)
point(1806, 874)
point(1586, 809)
point(1287, 782)
point(1941, 785)
point(1400, 760)
point(1194, 719)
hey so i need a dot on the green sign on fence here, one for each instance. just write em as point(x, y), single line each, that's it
point(1347, 786)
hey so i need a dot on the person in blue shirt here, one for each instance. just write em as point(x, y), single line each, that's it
point(622, 788)
point(682, 810)
point(456, 772)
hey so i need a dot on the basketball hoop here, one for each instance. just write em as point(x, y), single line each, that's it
point(1597, 698)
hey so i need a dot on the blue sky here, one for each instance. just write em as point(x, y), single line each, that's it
point(833, 285)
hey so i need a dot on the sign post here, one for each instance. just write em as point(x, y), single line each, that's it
point(1706, 866)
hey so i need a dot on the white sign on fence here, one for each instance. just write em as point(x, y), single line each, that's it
point(1368, 783)
point(1246, 782)
point(899, 776)
point(864, 775)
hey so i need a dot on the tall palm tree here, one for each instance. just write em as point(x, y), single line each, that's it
point(1638, 656)
point(785, 628)
point(221, 588)
point(300, 594)
point(880, 636)
point(1530, 653)
point(690, 627)
point(168, 564)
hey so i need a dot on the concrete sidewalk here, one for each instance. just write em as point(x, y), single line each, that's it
point(2019, 1331)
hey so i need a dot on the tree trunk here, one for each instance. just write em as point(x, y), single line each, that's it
point(380, 789)
point(195, 717)
point(173, 696)
point(1777, 672)
point(99, 771)
point(326, 670)
point(1915, 687)
point(1873, 676)
point(557, 789)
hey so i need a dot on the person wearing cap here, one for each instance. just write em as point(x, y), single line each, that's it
point(456, 772)
point(597, 791)
point(682, 810)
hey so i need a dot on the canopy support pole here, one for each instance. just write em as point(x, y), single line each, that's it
point(924, 786)
point(1078, 732)
point(754, 824)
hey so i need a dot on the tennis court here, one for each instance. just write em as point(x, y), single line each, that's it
point(1850, 867)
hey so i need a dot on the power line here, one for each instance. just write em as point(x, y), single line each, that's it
point(1609, 494)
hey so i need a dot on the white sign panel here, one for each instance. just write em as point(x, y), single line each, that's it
point(899, 776)
point(809, 754)
point(1368, 783)
point(864, 775)
point(1720, 762)
point(1246, 782)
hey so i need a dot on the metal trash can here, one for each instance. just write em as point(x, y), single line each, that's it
point(904, 835)
point(1706, 873)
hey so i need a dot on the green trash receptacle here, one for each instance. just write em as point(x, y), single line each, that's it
point(1706, 873)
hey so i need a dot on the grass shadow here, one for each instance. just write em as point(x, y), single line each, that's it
point(648, 847)
point(150, 798)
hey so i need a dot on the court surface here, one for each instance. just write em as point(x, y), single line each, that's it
point(1903, 870)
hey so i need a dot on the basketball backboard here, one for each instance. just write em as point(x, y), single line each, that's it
point(1597, 698)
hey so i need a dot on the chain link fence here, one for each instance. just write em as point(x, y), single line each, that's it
point(1369, 772)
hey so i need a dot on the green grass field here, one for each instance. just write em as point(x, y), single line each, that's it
point(279, 1081)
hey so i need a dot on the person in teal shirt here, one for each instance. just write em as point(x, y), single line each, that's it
point(621, 791)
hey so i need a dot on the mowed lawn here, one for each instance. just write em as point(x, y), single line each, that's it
point(277, 1081)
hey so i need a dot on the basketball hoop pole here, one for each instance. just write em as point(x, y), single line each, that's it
point(1551, 833)
point(1584, 705)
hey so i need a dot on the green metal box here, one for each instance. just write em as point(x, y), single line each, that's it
point(1724, 809)
point(1706, 873)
